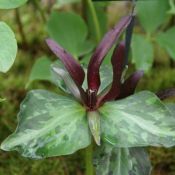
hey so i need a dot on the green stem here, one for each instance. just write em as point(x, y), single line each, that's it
point(20, 28)
point(88, 159)
point(37, 5)
point(95, 19)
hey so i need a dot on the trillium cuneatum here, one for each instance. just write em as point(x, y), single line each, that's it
point(52, 124)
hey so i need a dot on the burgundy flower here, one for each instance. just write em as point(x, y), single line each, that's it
point(118, 89)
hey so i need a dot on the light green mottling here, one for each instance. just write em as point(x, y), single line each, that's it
point(139, 120)
point(49, 125)
point(94, 125)
point(121, 161)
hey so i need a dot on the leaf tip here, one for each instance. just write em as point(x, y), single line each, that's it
point(4, 146)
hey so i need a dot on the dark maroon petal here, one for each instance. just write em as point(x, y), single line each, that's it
point(101, 51)
point(129, 86)
point(92, 99)
point(72, 66)
point(117, 63)
point(168, 93)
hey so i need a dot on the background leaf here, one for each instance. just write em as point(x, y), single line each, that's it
point(171, 107)
point(8, 4)
point(1, 100)
point(40, 70)
point(60, 3)
point(142, 52)
point(100, 8)
point(166, 40)
point(44, 130)
point(152, 13)
point(138, 120)
point(8, 47)
point(70, 31)
point(121, 161)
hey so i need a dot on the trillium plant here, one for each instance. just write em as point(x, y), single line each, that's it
point(103, 115)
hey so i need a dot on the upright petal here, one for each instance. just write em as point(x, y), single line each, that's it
point(117, 63)
point(129, 86)
point(101, 51)
point(73, 67)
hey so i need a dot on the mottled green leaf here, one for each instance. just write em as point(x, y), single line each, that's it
point(166, 40)
point(49, 125)
point(142, 53)
point(70, 31)
point(94, 125)
point(62, 78)
point(8, 47)
point(121, 161)
point(138, 120)
point(9, 4)
point(40, 70)
point(152, 13)
point(171, 107)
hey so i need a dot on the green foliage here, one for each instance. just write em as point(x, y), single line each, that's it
point(138, 120)
point(166, 40)
point(1, 100)
point(63, 80)
point(171, 107)
point(69, 30)
point(60, 3)
point(98, 27)
point(9, 4)
point(142, 52)
point(121, 161)
point(40, 70)
point(8, 47)
point(94, 125)
point(152, 14)
point(44, 130)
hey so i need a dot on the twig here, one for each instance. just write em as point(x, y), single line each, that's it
point(20, 28)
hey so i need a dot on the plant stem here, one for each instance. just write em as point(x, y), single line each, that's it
point(37, 5)
point(20, 28)
point(88, 159)
point(92, 10)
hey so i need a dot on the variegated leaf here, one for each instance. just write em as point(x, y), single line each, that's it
point(68, 84)
point(121, 161)
point(49, 125)
point(171, 107)
point(56, 79)
point(139, 120)
point(94, 125)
